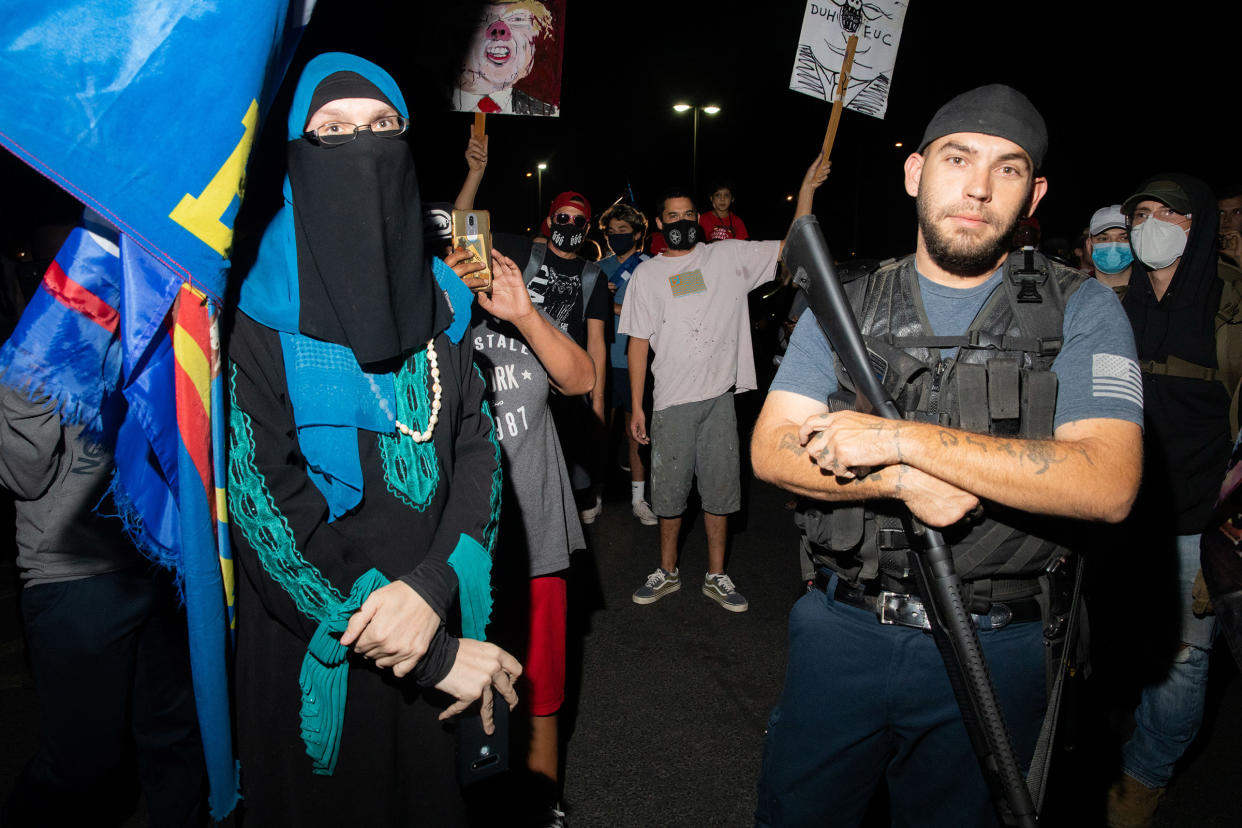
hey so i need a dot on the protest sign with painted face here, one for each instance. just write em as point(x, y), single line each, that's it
point(513, 63)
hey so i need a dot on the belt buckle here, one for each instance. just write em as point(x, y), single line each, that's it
point(903, 610)
point(999, 616)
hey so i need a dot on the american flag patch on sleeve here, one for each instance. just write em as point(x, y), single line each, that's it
point(1117, 377)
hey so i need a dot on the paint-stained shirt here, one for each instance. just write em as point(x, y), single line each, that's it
point(693, 310)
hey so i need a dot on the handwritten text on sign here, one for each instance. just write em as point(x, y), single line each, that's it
point(826, 27)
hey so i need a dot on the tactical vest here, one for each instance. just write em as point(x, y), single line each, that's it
point(1000, 383)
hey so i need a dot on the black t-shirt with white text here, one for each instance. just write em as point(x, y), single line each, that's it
point(557, 288)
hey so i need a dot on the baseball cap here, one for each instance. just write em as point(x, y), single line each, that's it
point(1162, 190)
point(1106, 218)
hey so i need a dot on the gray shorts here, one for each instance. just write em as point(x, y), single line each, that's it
point(698, 438)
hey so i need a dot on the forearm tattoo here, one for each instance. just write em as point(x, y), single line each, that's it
point(1040, 455)
point(789, 443)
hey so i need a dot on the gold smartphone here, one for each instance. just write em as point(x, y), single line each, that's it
point(472, 229)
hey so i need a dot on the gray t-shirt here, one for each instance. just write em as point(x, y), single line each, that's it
point(1097, 372)
point(693, 310)
point(534, 466)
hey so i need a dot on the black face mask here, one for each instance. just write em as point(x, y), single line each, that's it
point(681, 235)
point(363, 280)
point(567, 238)
point(621, 243)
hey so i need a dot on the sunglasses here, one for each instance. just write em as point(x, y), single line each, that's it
point(566, 218)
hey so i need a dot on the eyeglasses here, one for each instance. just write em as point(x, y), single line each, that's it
point(579, 221)
point(335, 134)
point(1163, 213)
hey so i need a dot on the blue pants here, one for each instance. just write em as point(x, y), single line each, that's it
point(1170, 712)
point(111, 668)
point(864, 700)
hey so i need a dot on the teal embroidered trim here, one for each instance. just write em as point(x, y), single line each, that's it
point(251, 507)
point(471, 560)
point(411, 469)
point(473, 566)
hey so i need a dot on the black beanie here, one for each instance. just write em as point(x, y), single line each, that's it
point(994, 109)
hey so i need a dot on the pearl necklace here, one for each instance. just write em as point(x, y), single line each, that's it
point(433, 362)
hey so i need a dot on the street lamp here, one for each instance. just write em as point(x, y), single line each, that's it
point(540, 167)
point(709, 109)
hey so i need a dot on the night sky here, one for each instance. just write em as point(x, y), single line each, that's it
point(1125, 94)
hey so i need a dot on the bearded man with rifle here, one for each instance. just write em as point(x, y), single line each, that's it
point(1023, 405)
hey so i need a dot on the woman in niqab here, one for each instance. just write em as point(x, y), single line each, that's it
point(364, 483)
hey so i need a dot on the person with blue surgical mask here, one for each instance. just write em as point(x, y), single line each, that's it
point(1108, 247)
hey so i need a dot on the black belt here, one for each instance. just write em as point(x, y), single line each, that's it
point(908, 610)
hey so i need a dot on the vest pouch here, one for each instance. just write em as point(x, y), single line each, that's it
point(971, 389)
point(1004, 395)
point(901, 374)
point(1039, 404)
point(838, 530)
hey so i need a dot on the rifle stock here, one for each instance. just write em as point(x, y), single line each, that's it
point(808, 259)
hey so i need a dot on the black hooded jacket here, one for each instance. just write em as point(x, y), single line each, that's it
point(1186, 432)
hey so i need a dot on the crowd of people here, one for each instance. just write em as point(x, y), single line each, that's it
point(414, 449)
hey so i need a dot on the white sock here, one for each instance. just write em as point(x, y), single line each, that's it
point(636, 491)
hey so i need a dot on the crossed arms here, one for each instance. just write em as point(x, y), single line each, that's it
point(1089, 470)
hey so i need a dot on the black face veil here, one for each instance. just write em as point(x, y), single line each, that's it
point(363, 277)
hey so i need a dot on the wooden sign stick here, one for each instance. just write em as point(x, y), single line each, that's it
point(838, 102)
point(480, 122)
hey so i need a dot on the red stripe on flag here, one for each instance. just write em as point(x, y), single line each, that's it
point(192, 375)
point(72, 295)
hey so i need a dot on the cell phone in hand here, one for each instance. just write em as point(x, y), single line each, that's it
point(480, 756)
point(472, 229)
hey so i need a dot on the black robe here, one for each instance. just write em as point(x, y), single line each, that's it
point(396, 762)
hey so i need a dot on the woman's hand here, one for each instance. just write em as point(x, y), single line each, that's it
point(464, 263)
point(478, 668)
point(393, 627)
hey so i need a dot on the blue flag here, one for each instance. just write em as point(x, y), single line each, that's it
point(145, 111)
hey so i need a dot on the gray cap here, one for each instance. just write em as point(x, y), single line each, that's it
point(994, 109)
point(1106, 218)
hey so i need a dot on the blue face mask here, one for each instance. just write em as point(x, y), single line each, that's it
point(1111, 257)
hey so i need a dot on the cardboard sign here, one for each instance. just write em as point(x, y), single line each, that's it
point(513, 64)
point(826, 29)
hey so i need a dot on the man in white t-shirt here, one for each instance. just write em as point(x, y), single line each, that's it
point(689, 305)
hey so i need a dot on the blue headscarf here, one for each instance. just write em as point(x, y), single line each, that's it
point(270, 293)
